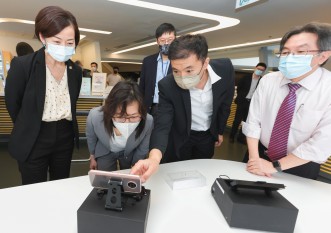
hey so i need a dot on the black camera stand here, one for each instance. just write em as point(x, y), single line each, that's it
point(114, 195)
point(116, 198)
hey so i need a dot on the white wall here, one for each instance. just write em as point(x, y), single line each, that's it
point(90, 52)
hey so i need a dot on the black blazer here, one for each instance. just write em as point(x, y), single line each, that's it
point(243, 87)
point(25, 92)
point(148, 79)
point(173, 121)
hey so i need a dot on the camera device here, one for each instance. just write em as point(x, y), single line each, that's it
point(119, 187)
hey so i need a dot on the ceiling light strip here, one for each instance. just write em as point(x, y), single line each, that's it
point(246, 44)
point(94, 31)
point(224, 22)
point(128, 62)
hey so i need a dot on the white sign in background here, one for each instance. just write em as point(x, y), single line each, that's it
point(241, 3)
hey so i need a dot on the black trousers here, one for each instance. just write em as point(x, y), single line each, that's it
point(51, 153)
point(309, 170)
point(241, 115)
point(200, 145)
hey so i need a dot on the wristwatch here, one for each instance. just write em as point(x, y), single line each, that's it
point(276, 165)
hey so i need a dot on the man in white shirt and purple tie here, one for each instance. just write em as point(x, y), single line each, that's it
point(289, 122)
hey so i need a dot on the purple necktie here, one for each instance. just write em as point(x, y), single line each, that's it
point(279, 136)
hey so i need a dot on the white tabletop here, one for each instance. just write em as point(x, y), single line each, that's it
point(52, 206)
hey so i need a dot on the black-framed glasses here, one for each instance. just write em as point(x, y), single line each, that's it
point(131, 119)
point(298, 53)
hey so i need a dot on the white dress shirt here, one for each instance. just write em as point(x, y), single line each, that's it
point(202, 103)
point(253, 87)
point(310, 132)
point(57, 100)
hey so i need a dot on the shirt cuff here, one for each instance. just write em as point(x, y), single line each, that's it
point(251, 130)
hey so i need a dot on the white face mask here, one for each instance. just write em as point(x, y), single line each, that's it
point(126, 128)
point(60, 53)
point(188, 82)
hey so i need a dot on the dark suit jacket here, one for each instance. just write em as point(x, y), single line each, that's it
point(243, 87)
point(25, 92)
point(148, 79)
point(173, 121)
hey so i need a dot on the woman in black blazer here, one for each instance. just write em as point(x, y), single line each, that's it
point(41, 93)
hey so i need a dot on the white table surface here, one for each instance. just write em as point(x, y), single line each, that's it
point(52, 206)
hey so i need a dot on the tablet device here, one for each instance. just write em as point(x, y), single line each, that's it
point(101, 179)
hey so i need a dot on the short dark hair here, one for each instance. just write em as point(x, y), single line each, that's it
point(94, 63)
point(79, 63)
point(23, 48)
point(52, 20)
point(123, 94)
point(163, 28)
point(116, 67)
point(322, 30)
point(184, 46)
point(262, 64)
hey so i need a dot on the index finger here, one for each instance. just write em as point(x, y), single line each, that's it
point(137, 168)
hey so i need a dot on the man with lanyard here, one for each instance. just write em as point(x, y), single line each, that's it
point(155, 67)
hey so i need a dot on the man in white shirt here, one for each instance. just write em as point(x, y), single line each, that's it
point(114, 78)
point(303, 52)
point(245, 90)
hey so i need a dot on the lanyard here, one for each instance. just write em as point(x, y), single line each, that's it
point(165, 69)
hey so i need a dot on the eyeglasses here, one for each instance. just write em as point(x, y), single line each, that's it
point(298, 53)
point(166, 40)
point(132, 119)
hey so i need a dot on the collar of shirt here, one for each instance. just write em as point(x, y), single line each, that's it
point(253, 78)
point(206, 88)
point(160, 58)
point(213, 76)
point(308, 82)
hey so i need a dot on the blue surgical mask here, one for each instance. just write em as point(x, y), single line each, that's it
point(258, 72)
point(60, 53)
point(294, 66)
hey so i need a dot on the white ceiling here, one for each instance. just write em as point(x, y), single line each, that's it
point(132, 25)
